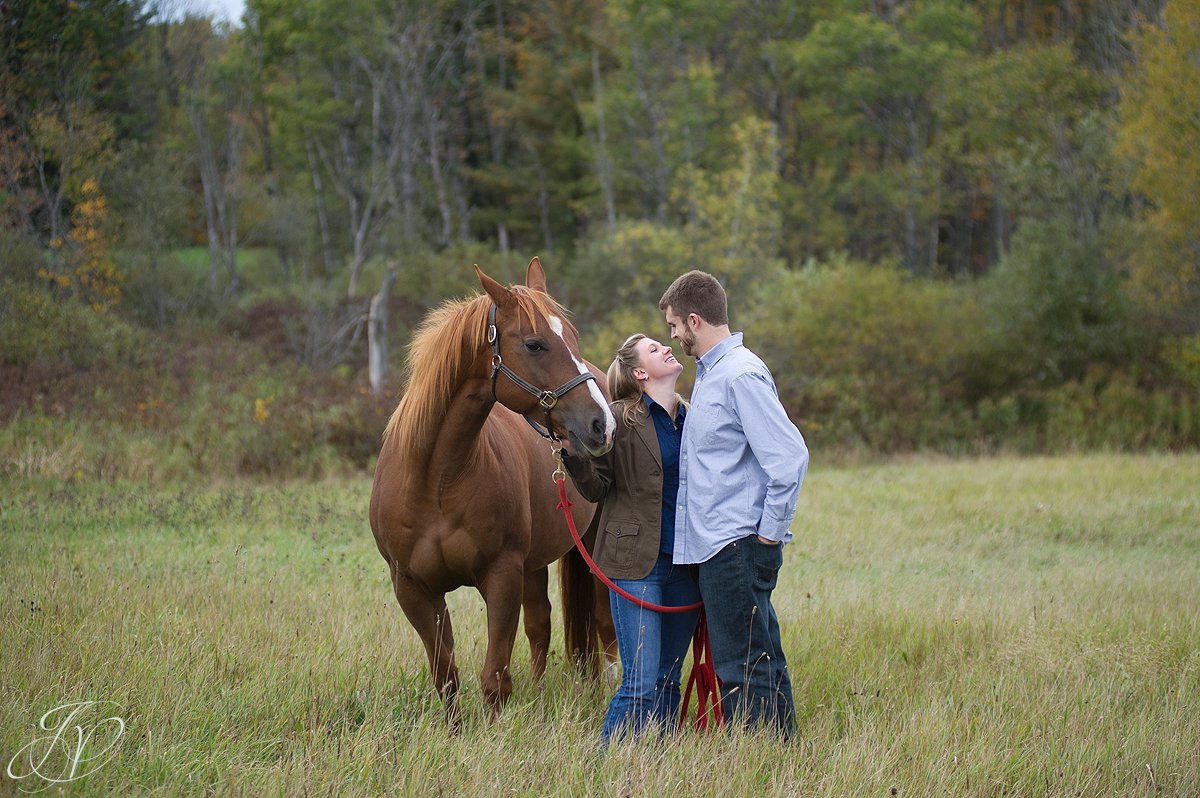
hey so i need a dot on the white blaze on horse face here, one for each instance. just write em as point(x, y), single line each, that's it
point(610, 421)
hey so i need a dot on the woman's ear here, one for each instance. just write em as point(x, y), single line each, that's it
point(640, 374)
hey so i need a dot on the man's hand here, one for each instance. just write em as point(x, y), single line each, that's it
point(767, 541)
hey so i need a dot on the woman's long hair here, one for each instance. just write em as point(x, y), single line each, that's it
point(623, 388)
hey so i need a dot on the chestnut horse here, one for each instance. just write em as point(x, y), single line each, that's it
point(463, 493)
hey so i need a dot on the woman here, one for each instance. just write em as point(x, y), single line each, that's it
point(638, 483)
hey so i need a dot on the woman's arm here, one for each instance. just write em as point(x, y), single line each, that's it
point(593, 476)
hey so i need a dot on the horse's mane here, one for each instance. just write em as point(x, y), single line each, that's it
point(443, 347)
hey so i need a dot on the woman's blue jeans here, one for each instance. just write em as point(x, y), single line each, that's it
point(652, 646)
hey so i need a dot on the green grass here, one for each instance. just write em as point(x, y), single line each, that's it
point(985, 627)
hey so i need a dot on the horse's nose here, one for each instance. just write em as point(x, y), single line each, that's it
point(598, 428)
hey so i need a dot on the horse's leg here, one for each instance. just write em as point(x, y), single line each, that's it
point(536, 604)
point(428, 614)
point(602, 617)
point(501, 589)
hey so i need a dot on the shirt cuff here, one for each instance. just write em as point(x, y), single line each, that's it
point(775, 529)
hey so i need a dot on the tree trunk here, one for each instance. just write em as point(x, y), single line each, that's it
point(230, 228)
point(543, 198)
point(912, 208)
point(464, 208)
point(604, 167)
point(377, 320)
point(220, 188)
point(210, 211)
point(999, 222)
point(322, 214)
point(662, 188)
point(359, 253)
point(439, 179)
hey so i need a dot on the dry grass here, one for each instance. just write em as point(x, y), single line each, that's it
point(990, 627)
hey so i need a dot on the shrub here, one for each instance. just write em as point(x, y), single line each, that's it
point(41, 326)
point(867, 356)
point(1054, 307)
point(1110, 410)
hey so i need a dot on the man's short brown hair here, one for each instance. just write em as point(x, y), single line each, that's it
point(700, 293)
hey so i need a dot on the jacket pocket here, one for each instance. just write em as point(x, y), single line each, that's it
point(621, 542)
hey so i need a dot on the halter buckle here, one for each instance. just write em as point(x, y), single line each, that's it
point(547, 400)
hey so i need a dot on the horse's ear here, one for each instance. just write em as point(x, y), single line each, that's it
point(499, 294)
point(535, 278)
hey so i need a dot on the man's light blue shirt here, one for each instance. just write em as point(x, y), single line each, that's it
point(742, 459)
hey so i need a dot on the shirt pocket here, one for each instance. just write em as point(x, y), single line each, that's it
point(710, 423)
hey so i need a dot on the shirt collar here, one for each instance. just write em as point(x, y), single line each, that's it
point(680, 409)
point(710, 358)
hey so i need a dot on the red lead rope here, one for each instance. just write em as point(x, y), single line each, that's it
point(703, 678)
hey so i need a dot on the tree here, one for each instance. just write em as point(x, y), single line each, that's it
point(733, 222)
point(215, 96)
point(994, 110)
point(666, 95)
point(64, 78)
point(871, 83)
point(1054, 302)
point(1159, 131)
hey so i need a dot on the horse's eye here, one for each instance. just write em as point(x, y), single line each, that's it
point(535, 346)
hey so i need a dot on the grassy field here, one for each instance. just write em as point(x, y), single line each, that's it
point(991, 627)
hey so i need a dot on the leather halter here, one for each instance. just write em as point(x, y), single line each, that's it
point(546, 398)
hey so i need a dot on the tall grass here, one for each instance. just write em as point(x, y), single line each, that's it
point(1007, 626)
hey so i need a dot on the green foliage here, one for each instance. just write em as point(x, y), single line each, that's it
point(21, 255)
point(868, 126)
point(1182, 356)
point(1055, 301)
point(731, 229)
point(426, 277)
point(45, 329)
point(1112, 411)
point(732, 226)
point(867, 357)
point(1160, 123)
point(630, 265)
point(70, 84)
point(53, 48)
point(665, 101)
point(1054, 308)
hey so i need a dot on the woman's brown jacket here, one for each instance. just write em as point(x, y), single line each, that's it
point(627, 483)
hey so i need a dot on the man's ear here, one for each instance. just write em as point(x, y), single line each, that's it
point(499, 294)
point(694, 321)
point(535, 277)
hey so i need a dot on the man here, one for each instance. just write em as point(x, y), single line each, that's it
point(741, 465)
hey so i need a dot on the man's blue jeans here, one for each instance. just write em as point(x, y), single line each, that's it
point(652, 646)
point(736, 584)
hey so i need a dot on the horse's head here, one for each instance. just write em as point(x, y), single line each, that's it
point(537, 367)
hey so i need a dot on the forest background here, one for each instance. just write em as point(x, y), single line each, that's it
point(962, 227)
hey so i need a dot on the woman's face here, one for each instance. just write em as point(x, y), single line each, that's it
point(655, 361)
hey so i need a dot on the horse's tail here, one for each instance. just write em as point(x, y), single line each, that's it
point(579, 603)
